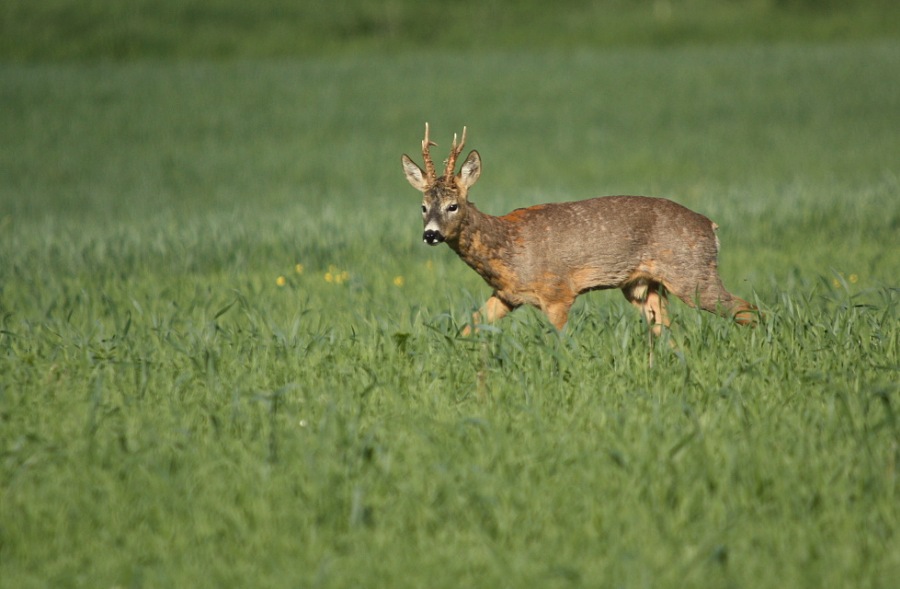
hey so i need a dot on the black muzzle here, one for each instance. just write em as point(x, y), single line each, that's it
point(432, 237)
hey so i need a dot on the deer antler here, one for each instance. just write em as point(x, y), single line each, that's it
point(455, 150)
point(429, 165)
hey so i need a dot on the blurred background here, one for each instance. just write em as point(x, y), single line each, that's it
point(232, 29)
point(773, 117)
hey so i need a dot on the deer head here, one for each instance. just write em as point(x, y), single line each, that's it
point(445, 198)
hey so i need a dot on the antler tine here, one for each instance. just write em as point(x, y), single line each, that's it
point(455, 150)
point(429, 165)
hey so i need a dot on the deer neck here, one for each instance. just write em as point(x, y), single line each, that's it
point(484, 244)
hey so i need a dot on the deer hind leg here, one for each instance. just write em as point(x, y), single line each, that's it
point(650, 297)
point(743, 312)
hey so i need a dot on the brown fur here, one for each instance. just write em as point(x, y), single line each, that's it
point(546, 255)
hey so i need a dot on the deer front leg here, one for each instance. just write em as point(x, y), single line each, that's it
point(650, 298)
point(558, 313)
point(493, 310)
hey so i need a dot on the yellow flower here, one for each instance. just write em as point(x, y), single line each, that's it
point(399, 281)
point(839, 280)
point(281, 281)
point(299, 268)
point(336, 276)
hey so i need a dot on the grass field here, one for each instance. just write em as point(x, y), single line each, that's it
point(227, 360)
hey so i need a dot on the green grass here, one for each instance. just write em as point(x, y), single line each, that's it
point(227, 29)
point(171, 416)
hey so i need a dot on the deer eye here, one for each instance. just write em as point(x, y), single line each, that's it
point(452, 208)
point(424, 209)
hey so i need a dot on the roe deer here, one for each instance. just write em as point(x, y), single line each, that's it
point(546, 255)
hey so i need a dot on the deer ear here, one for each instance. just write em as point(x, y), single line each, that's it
point(414, 174)
point(471, 169)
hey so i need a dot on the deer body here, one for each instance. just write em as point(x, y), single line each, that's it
point(547, 255)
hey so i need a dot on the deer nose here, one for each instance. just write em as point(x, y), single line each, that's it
point(432, 237)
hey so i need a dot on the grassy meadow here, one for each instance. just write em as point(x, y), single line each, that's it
point(227, 359)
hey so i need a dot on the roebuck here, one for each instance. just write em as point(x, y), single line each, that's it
point(546, 255)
